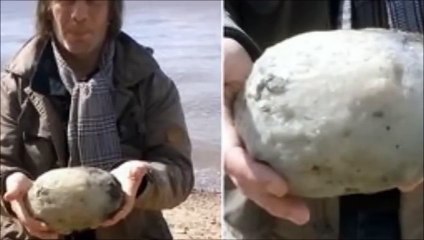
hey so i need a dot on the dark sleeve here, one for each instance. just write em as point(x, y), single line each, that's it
point(233, 30)
point(168, 147)
point(11, 146)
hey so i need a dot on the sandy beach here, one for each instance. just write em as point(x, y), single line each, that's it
point(197, 218)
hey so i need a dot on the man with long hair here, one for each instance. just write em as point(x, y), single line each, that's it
point(82, 92)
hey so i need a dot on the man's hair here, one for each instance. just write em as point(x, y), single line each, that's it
point(44, 24)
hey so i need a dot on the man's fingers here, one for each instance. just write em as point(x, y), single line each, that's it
point(108, 223)
point(136, 174)
point(251, 174)
point(237, 62)
point(35, 228)
point(41, 234)
point(130, 187)
point(12, 195)
point(17, 184)
point(265, 187)
point(26, 219)
point(290, 208)
point(269, 179)
point(115, 219)
point(138, 171)
point(410, 187)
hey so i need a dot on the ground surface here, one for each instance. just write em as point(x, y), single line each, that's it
point(197, 218)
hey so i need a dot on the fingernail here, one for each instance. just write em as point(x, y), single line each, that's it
point(299, 220)
point(300, 217)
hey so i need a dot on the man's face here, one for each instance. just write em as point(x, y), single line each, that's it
point(80, 26)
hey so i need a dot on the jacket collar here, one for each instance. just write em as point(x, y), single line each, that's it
point(133, 62)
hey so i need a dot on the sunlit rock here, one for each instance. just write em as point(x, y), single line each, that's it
point(79, 198)
point(337, 112)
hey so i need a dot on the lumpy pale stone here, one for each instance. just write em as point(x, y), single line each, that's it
point(337, 112)
point(73, 199)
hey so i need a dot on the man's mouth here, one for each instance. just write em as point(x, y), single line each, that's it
point(79, 35)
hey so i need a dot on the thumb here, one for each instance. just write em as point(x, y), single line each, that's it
point(12, 194)
point(137, 172)
point(131, 183)
point(410, 187)
point(17, 185)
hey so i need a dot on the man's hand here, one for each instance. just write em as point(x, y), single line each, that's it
point(410, 187)
point(129, 174)
point(264, 187)
point(17, 186)
point(257, 181)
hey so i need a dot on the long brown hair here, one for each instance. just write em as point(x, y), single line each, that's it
point(44, 25)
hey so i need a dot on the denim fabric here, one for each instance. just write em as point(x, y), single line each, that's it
point(366, 217)
point(83, 235)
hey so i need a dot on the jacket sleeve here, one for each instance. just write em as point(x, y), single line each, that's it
point(233, 30)
point(11, 147)
point(168, 148)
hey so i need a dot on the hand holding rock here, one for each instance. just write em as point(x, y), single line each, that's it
point(17, 186)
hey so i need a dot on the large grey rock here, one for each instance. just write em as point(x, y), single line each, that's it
point(337, 112)
point(73, 199)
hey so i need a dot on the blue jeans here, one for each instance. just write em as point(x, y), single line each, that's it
point(366, 217)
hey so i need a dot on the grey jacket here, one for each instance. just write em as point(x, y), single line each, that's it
point(151, 127)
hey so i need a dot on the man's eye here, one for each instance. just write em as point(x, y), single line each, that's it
point(64, 2)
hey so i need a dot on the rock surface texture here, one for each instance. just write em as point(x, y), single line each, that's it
point(72, 199)
point(337, 112)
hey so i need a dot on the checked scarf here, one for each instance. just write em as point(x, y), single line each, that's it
point(92, 133)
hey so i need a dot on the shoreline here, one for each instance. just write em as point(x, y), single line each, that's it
point(206, 159)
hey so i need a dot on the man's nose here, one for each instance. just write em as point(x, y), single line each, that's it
point(80, 11)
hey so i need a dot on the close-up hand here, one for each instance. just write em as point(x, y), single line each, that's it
point(17, 186)
point(129, 174)
point(410, 186)
point(255, 180)
point(263, 186)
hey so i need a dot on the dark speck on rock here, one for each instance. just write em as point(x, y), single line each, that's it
point(347, 133)
point(315, 168)
point(384, 179)
point(48, 201)
point(397, 146)
point(42, 192)
point(388, 128)
point(351, 190)
point(94, 171)
point(378, 114)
